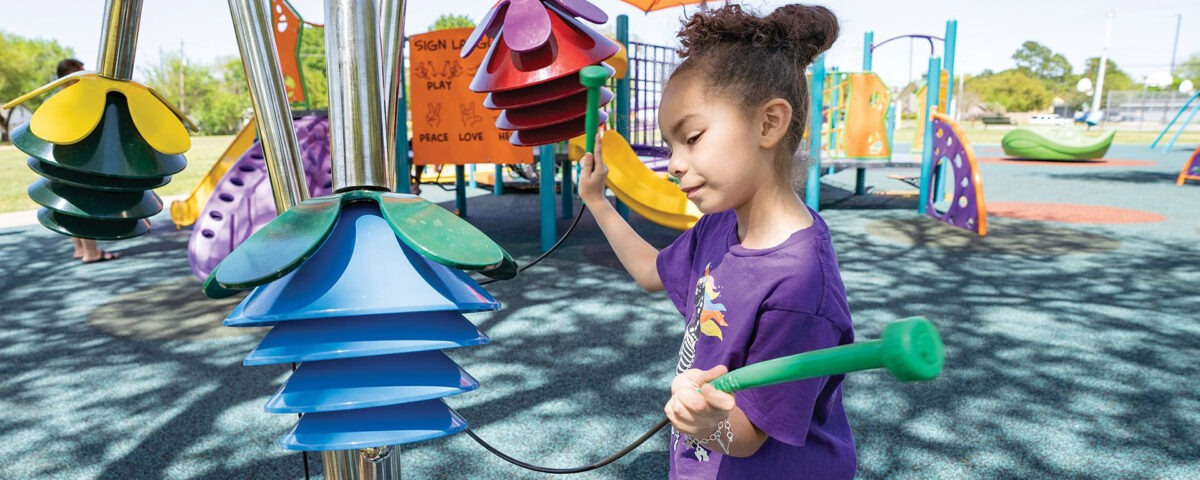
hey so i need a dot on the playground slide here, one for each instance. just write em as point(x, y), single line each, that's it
point(636, 185)
point(184, 212)
point(242, 202)
point(1056, 144)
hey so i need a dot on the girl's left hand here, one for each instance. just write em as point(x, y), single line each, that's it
point(698, 413)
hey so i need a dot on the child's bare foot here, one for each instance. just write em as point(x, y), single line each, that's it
point(102, 257)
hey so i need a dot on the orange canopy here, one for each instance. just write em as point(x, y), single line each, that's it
point(652, 5)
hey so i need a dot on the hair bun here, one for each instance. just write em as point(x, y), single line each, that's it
point(803, 30)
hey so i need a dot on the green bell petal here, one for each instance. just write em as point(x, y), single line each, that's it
point(280, 246)
point(213, 289)
point(440, 235)
point(81, 227)
point(94, 204)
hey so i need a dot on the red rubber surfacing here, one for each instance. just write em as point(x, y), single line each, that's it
point(1069, 213)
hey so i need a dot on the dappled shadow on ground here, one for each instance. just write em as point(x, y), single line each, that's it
point(172, 310)
point(1070, 354)
point(1057, 366)
point(1120, 176)
point(1004, 237)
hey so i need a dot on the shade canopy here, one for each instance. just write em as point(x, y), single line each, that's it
point(652, 5)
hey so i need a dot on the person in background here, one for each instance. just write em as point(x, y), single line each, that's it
point(87, 250)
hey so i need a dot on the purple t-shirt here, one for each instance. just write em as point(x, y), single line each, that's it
point(743, 306)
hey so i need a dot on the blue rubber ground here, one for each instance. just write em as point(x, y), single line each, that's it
point(1071, 348)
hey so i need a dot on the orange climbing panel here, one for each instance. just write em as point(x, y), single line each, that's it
point(919, 138)
point(855, 123)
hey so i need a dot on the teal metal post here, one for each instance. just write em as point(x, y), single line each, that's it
point(498, 182)
point(471, 176)
point(403, 164)
point(812, 189)
point(1172, 122)
point(568, 188)
point(948, 64)
point(860, 174)
point(891, 127)
point(835, 94)
point(623, 86)
point(932, 85)
point(546, 195)
point(1182, 127)
point(460, 191)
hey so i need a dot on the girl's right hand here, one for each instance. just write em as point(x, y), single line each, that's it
point(592, 173)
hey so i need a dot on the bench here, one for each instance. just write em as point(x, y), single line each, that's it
point(995, 120)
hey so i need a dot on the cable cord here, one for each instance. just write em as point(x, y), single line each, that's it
point(552, 248)
point(593, 466)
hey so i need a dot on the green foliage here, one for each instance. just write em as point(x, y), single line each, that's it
point(1038, 61)
point(449, 20)
point(312, 66)
point(213, 95)
point(1013, 89)
point(1188, 70)
point(28, 63)
point(1114, 78)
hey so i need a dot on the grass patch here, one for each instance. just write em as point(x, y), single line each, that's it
point(15, 176)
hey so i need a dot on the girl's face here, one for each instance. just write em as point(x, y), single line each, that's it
point(715, 152)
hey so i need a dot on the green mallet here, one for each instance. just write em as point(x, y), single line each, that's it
point(592, 77)
point(911, 349)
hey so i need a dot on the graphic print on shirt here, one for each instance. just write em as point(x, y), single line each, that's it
point(709, 319)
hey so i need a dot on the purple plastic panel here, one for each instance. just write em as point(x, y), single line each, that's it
point(242, 201)
point(965, 210)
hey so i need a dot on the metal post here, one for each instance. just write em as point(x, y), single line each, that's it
point(932, 86)
point(568, 189)
point(359, 158)
point(623, 95)
point(391, 16)
point(948, 64)
point(252, 27)
point(868, 41)
point(1100, 72)
point(812, 189)
point(546, 195)
point(460, 191)
point(498, 182)
point(362, 464)
point(1175, 46)
point(118, 41)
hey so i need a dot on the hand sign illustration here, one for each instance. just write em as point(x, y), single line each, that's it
point(424, 70)
point(451, 70)
point(434, 116)
point(469, 117)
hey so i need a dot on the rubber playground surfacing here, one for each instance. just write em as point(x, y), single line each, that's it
point(1071, 347)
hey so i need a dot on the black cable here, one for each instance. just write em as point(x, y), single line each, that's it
point(304, 454)
point(593, 466)
point(561, 239)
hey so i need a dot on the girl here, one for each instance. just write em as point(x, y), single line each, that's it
point(756, 278)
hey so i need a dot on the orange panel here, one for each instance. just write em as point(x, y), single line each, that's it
point(865, 134)
point(287, 25)
point(450, 124)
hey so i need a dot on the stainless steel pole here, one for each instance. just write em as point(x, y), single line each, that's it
point(360, 160)
point(118, 41)
point(391, 15)
point(252, 27)
point(355, 110)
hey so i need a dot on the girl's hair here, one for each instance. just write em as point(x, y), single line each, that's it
point(752, 59)
point(69, 66)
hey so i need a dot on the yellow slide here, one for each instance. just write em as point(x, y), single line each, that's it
point(184, 212)
point(645, 192)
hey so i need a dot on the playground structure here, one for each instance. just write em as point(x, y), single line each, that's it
point(103, 142)
point(323, 272)
point(1055, 144)
point(1191, 168)
point(856, 130)
point(1182, 126)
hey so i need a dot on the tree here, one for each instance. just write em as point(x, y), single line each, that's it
point(1013, 89)
point(213, 95)
point(312, 65)
point(448, 21)
point(1188, 70)
point(27, 64)
point(1114, 78)
point(1036, 60)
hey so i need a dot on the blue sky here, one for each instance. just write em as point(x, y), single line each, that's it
point(988, 32)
